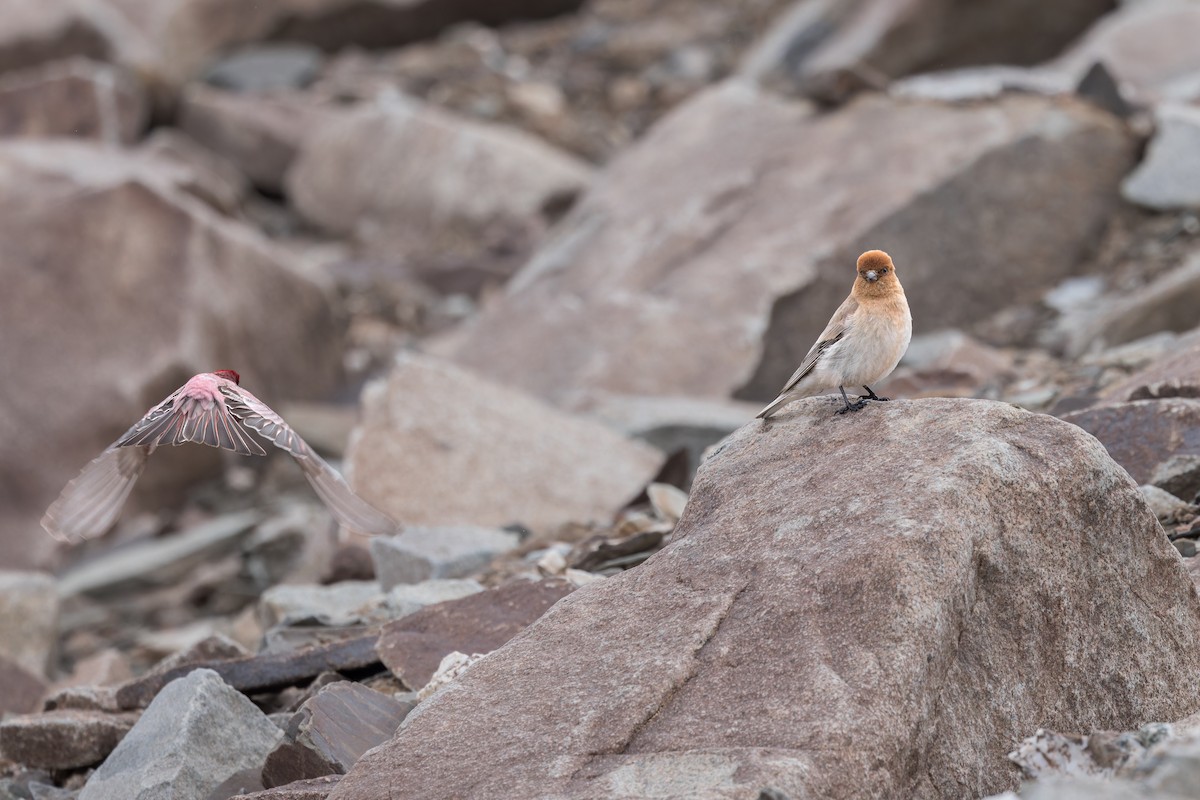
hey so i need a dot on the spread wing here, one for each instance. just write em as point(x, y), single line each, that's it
point(180, 419)
point(91, 503)
point(349, 509)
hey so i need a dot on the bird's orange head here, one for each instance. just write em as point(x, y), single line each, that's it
point(876, 276)
point(229, 375)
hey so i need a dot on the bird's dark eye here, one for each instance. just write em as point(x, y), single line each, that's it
point(883, 270)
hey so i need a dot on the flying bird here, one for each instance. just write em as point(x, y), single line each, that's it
point(862, 343)
point(210, 409)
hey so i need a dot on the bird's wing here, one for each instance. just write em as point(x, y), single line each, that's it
point(167, 423)
point(833, 333)
point(350, 509)
point(91, 503)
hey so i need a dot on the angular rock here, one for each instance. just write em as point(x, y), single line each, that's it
point(65, 739)
point(252, 674)
point(776, 644)
point(1169, 176)
point(28, 619)
point(331, 731)
point(1175, 374)
point(1170, 302)
point(157, 562)
point(311, 789)
point(1162, 502)
point(37, 31)
point(1156, 441)
point(260, 134)
point(635, 293)
point(429, 553)
point(1147, 46)
point(406, 169)
point(73, 98)
point(406, 598)
point(182, 296)
point(345, 603)
point(180, 748)
point(440, 446)
point(20, 690)
point(413, 647)
point(831, 48)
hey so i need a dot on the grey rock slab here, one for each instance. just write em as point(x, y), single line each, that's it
point(344, 603)
point(63, 739)
point(424, 553)
point(265, 67)
point(1169, 176)
point(29, 608)
point(198, 732)
point(405, 598)
point(159, 562)
point(829, 629)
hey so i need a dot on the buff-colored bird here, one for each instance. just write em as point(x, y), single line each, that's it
point(863, 341)
point(210, 409)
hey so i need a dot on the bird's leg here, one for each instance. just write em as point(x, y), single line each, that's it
point(871, 395)
point(849, 406)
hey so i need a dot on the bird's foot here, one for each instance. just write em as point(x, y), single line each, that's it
point(872, 396)
point(852, 406)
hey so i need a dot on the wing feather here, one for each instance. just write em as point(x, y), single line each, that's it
point(346, 506)
point(91, 503)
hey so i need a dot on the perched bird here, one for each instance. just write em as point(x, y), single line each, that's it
point(210, 409)
point(863, 341)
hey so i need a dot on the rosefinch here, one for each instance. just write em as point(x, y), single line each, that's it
point(863, 341)
point(210, 409)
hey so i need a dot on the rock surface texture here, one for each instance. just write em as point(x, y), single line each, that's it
point(840, 594)
point(620, 298)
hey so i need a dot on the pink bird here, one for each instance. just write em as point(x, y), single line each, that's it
point(210, 409)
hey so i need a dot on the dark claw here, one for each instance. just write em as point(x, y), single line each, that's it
point(872, 396)
point(853, 406)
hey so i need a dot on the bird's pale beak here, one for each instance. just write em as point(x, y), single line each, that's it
point(871, 276)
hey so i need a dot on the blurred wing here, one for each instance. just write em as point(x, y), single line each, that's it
point(180, 419)
point(91, 503)
point(349, 509)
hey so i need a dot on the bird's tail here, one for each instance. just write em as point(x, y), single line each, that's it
point(773, 407)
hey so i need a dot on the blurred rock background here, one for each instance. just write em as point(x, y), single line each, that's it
point(516, 265)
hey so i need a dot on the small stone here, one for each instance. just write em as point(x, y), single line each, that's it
point(311, 789)
point(28, 619)
point(453, 665)
point(331, 731)
point(346, 603)
point(265, 67)
point(1169, 175)
point(668, 501)
point(63, 739)
point(1161, 502)
point(1186, 547)
point(408, 598)
point(420, 553)
point(181, 745)
point(20, 690)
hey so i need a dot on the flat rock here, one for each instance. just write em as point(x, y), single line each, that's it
point(406, 598)
point(413, 647)
point(1169, 176)
point(180, 748)
point(331, 731)
point(311, 789)
point(405, 164)
point(63, 739)
point(345, 603)
point(438, 445)
point(259, 133)
point(28, 619)
point(1146, 45)
point(1156, 441)
point(20, 690)
point(829, 632)
point(96, 306)
point(423, 553)
point(258, 673)
point(658, 283)
point(832, 49)
point(77, 97)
